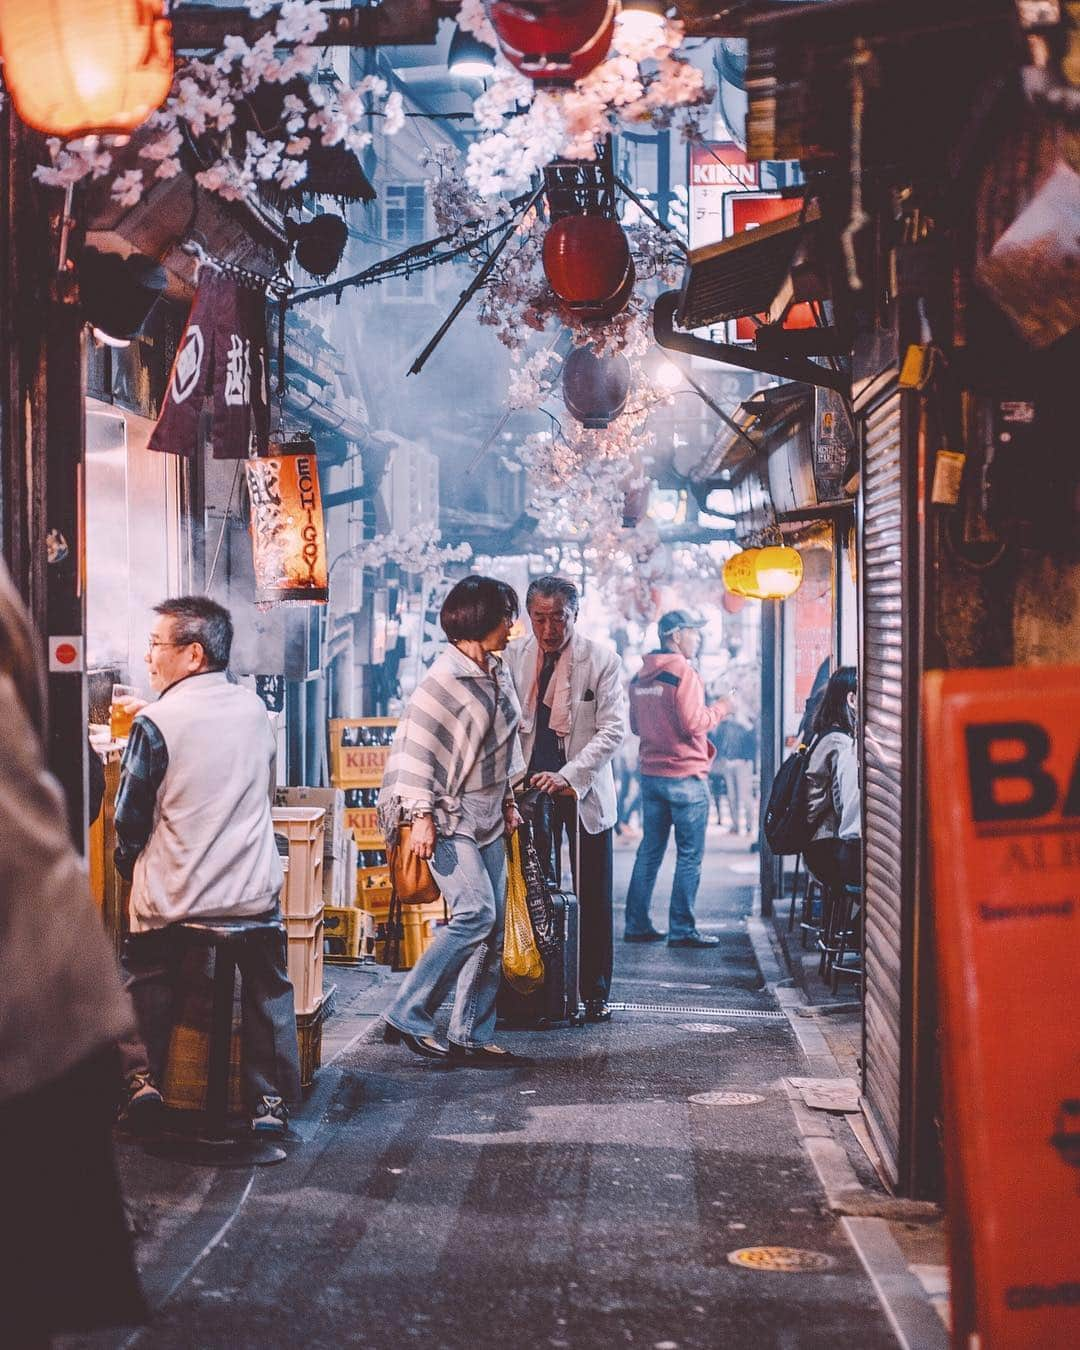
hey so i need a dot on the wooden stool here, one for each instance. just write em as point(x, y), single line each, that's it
point(214, 1146)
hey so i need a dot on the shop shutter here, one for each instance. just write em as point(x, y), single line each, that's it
point(886, 854)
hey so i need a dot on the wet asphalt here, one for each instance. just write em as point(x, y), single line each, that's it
point(584, 1202)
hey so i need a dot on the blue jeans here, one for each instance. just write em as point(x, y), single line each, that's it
point(684, 803)
point(469, 949)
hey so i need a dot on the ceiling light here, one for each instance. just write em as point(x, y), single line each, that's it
point(642, 20)
point(469, 58)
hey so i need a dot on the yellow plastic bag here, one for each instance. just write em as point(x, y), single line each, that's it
point(523, 965)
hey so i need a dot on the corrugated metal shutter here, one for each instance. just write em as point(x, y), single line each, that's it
point(886, 860)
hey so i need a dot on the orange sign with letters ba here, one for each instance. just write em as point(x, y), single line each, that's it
point(1003, 777)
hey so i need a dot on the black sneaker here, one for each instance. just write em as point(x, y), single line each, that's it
point(694, 940)
point(651, 935)
point(271, 1116)
point(597, 1010)
point(143, 1104)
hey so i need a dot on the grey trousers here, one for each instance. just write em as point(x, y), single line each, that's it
point(153, 964)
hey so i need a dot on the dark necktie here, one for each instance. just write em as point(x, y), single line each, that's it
point(546, 753)
point(551, 660)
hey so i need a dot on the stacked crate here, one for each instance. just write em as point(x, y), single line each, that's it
point(359, 750)
point(305, 828)
point(339, 847)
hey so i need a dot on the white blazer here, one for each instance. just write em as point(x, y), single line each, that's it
point(597, 723)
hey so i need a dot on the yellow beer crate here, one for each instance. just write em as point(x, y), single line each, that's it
point(363, 821)
point(358, 766)
point(350, 935)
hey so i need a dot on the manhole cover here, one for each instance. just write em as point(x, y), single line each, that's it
point(781, 1258)
point(707, 1028)
point(726, 1098)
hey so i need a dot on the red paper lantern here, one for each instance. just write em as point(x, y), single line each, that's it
point(554, 41)
point(731, 602)
point(595, 388)
point(606, 309)
point(586, 259)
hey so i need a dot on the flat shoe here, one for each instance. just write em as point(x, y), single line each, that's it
point(651, 936)
point(597, 1010)
point(694, 940)
point(424, 1046)
point(488, 1057)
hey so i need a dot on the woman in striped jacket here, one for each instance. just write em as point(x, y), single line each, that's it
point(454, 756)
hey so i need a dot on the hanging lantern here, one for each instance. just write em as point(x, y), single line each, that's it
point(606, 309)
point(595, 388)
point(779, 572)
point(740, 573)
point(554, 41)
point(731, 602)
point(74, 67)
point(586, 259)
point(287, 534)
point(771, 573)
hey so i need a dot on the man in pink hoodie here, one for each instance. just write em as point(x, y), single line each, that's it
point(668, 712)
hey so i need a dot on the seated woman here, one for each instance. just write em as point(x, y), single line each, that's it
point(834, 855)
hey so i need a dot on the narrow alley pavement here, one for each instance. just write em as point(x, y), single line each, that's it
point(592, 1201)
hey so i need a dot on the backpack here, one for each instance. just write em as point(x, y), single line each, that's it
point(786, 825)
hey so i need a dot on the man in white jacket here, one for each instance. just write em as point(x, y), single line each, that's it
point(573, 721)
point(196, 840)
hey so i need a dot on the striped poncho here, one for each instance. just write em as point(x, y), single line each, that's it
point(459, 733)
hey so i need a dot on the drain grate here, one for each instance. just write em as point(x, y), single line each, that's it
point(726, 1098)
point(687, 1011)
point(781, 1258)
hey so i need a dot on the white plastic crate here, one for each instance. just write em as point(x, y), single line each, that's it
point(305, 828)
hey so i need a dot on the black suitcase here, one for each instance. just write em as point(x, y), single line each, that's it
point(558, 1002)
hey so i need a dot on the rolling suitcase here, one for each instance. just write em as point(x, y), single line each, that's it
point(558, 1001)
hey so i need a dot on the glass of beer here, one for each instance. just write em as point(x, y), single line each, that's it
point(121, 714)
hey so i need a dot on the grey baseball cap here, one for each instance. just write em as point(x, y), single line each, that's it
point(675, 619)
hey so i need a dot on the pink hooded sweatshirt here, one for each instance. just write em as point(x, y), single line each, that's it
point(668, 712)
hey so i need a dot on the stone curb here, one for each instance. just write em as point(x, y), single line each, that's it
point(910, 1314)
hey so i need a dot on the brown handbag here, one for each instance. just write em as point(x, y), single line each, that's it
point(410, 876)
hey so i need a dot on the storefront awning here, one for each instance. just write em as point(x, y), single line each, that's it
point(743, 274)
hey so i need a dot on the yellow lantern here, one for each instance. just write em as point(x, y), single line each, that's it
point(771, 573)
point(75, 67)
point(288, 538)
point(740, 574)
point(779, 572)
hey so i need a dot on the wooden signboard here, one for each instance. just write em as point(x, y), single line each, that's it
point(1003, 774)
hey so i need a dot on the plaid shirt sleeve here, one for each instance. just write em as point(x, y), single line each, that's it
point(141, 772)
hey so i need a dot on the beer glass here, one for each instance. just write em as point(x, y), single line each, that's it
point(120, 716)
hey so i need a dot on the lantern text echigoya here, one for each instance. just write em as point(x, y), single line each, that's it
point(287, 534)
point(76, 67)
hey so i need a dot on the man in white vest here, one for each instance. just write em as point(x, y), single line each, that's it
point(573, 721)
point(195, 839)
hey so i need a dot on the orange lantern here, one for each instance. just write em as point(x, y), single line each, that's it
point(771, 573)
point(74, 67)
point(739, 573)
point(288, 538)
point(779, 572)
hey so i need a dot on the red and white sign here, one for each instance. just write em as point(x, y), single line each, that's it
point(717, 168)
point(65, 654)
